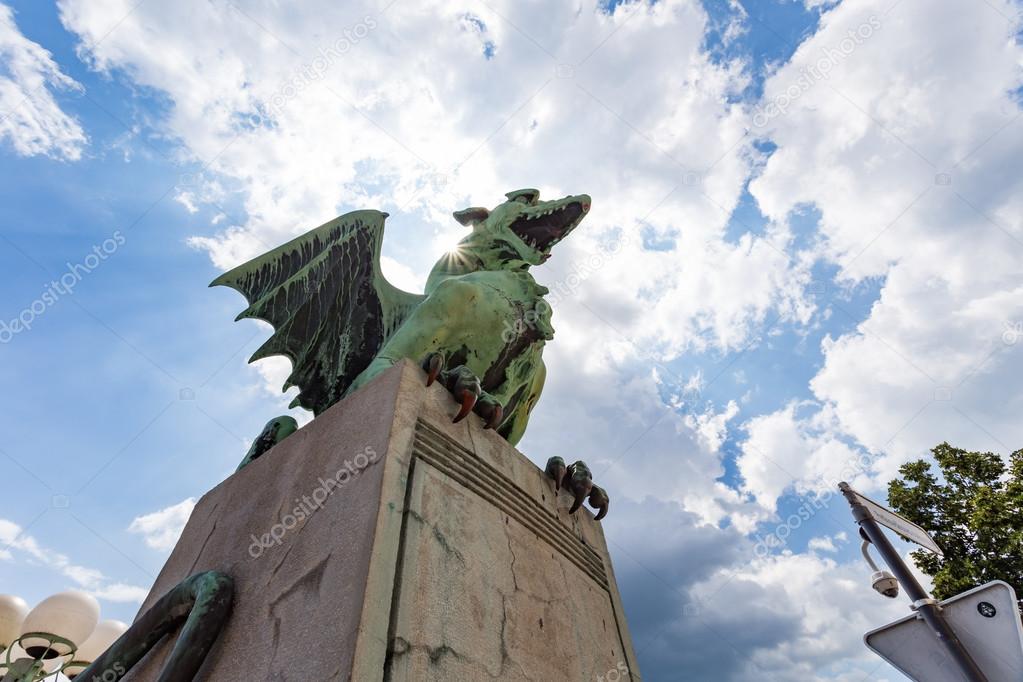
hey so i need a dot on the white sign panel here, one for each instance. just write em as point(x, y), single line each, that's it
point(902, 526)
point(987, 622)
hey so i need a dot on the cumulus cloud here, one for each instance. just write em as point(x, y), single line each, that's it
point(703, 605)
point(907, 142)
point(826, 543)
point(798, 449)
point(879, 121)
point(404, 110)
point(30, 117)
point(313, 122)
point(161, 529)
point(15, 541)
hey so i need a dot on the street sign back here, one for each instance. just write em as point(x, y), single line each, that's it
point(986, 619)
point(901, 525)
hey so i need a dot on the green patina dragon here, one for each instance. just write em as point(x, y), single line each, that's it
point(479, 328)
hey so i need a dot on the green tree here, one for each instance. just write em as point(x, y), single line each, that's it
point(974, 511)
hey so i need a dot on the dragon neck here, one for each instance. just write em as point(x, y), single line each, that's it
point(474, 255)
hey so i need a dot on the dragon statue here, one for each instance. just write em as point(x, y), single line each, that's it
point(479, 328)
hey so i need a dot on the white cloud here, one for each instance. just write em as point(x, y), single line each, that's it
point(30, 117)
point(405, 113)
point(461, 129)
point(161, 529)
point(823, 4)
point(700, 600)
point(907, 150)
point(825, 605)
point(187, 199)
point(822, 544)
point(797, 449)
point(14, 539)
point(665, 157)
point(120, 592)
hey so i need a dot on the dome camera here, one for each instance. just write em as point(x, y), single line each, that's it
point(885, 584)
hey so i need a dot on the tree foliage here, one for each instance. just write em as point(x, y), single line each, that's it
point(974, 511)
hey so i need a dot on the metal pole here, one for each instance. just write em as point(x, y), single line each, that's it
point(924, 604)
point(22, 670)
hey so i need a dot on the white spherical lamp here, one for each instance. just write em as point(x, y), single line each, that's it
point(105, 634)
point(12, 614)
point(71, 615)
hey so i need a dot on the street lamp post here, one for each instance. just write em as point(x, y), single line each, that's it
point(62, 634)
point(926, 606)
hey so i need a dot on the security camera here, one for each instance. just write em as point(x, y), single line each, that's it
point(885, 584)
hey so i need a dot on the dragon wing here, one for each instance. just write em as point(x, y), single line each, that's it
point(329, 303)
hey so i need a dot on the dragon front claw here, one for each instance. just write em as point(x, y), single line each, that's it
point(556, 469)
point(465, 387)
point(433, 364)
point(578, 480)
point(468, 402)
point(599, 500)
point(490, 410)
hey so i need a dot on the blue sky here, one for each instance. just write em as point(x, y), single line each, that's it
point(793, 295)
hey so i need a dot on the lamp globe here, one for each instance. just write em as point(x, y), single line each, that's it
point(12, 614)
point(71, 615)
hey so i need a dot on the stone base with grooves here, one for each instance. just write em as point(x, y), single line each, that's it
point(382, 542)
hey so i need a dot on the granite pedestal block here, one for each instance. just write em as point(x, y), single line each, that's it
point(383, 542)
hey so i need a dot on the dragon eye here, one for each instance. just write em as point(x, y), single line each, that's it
point(523, 199)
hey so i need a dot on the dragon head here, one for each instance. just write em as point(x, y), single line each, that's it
point(526, 226)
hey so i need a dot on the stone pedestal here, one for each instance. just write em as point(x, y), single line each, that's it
point(382, 542)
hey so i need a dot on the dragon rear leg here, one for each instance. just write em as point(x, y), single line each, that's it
point(577, 480)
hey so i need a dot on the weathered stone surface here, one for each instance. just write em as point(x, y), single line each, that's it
point(446, 557)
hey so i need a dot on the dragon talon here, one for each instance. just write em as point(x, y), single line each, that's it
point(556, 469)
point(599, 500)
point(433, 364)
point(496, 417)
point(468, 402)
point(579, 497)
point(579, 481)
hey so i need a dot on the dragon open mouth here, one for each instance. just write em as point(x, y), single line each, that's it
point(542, 229)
